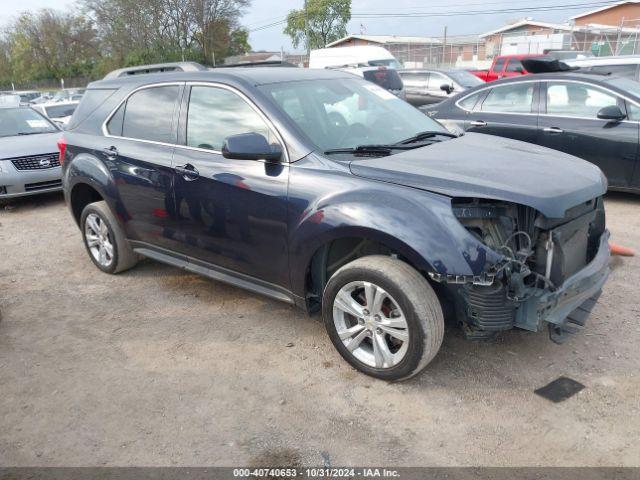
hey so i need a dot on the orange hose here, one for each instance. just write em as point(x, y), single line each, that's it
point(620, 250)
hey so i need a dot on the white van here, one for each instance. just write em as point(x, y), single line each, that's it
point(365, 56)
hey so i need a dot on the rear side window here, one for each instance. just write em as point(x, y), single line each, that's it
point(386, 78)
point(148, 114)
point(515, 65)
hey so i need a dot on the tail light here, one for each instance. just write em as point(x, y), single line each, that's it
point(62, 147)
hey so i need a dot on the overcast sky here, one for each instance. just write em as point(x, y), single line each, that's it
point(263, 12)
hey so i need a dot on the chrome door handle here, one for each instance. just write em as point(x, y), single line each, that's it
point(553, 130)
point(478, 123)
point(110, 152)
point(188, 172)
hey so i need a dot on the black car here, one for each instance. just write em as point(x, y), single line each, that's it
point(592, 116)
point(327, 192)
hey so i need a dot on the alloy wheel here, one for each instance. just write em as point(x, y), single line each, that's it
point(371, 324)
point(98, 240)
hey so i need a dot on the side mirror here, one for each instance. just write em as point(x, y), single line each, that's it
point(519, 70)
point(250, 146)
point(447, 88)
point(611, 113)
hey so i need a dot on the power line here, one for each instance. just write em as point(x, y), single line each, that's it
point(372, 15)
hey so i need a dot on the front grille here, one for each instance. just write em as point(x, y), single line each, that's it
point(30, 187)
point(36, 162)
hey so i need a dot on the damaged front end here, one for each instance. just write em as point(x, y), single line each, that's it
point(551, 270)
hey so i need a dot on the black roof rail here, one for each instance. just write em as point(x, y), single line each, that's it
point(155, 68)
point(258, 63)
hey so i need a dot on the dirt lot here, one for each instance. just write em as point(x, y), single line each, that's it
point(159, 367)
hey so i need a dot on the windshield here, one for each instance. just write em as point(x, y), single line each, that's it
point(58, 111)
point(23, 121)
point(464, 78)
point(345, 113)
point(387, 62)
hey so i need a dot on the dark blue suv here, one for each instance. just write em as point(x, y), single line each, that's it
point(328, 192)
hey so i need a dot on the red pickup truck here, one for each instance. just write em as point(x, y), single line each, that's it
point(504, 66)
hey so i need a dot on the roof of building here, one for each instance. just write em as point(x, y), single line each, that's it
point(602, 9)
point(527, 22)
point(386, 39)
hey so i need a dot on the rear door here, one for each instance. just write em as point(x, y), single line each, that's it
point(137, 149)
point(509, 110)
point(570, 124)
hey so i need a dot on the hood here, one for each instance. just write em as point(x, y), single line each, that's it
point(26, 145)
point(484, 166)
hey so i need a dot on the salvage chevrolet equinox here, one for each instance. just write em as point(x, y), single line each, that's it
point(328, 192)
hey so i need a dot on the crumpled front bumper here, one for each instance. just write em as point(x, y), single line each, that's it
point(573, 300)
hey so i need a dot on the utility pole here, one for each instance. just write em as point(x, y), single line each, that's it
point(444, 45)
point(306, 29)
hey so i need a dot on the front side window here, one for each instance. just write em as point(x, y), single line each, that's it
point(345, 113)
point(516, 98)
point(148, 114)
point(577, 100)
point(498, 65)
point(469, 102)
point(216, 113)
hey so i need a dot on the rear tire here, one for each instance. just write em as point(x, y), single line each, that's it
point(389, 310)
point(104, 240)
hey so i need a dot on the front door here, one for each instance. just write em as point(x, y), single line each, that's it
point(571, 125)
point(508, 110)
point(231, 213)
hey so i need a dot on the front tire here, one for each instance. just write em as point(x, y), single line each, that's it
point(383, 317)
point(104, 240)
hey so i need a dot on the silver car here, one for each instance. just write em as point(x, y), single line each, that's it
point(29, 160)
point(425, 86)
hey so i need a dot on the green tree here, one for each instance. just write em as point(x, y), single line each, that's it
point(319, 23)
point(239, 42)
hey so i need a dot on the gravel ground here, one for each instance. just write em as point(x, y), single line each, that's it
point(160, 367)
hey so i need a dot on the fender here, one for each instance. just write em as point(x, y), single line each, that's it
point(431, 237)
point(88, 169)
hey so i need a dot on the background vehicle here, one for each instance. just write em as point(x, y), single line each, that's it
point(59, 112)
point(29, 161)
point(387, 78)
point(68, 95)
point(364, 56)
point(27, 95)
point(504, 66)
point(594, 117)
point(627, 66)
point(424, 86)
point(381, 220)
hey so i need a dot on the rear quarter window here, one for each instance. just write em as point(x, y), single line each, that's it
point(91, 100)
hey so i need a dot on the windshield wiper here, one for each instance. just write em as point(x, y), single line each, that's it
point(424, 135)
point(364, 149)
point(29, 133)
